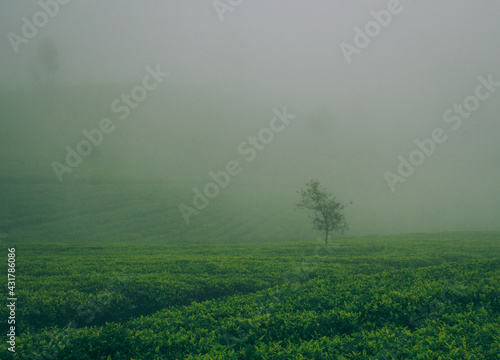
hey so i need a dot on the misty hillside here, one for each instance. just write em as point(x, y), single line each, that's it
point(130, 187)
point(167, 146)
point(214, 81)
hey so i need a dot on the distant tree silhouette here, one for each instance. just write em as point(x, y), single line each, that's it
point(48, 63)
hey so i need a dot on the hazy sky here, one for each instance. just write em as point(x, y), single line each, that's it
point(359, 114)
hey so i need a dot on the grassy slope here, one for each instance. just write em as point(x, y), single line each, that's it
point(142, 171)
point(233, 278)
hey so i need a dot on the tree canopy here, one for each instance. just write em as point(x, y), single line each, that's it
point(328, 214)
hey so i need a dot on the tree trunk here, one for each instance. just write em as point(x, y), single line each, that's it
point(327, 225)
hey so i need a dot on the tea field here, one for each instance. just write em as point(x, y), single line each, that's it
point(420, 296)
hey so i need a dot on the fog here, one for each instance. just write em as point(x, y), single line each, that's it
point(425, 82)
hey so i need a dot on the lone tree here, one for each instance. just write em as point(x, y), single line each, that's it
point(328, 214)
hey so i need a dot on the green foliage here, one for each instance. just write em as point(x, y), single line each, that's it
point(328, 214)
point(369, 298)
